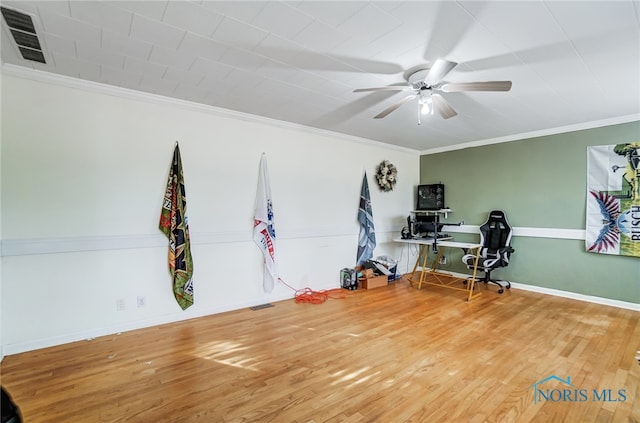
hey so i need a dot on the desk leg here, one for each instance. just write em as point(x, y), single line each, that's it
point(436, 261)
point(472, 282)
point(415, 266)
point(424, 255)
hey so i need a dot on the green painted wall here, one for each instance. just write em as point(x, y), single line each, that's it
point(540, 183)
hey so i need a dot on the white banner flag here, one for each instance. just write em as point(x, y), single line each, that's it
point(264, 233)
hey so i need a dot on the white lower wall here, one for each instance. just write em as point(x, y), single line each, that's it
point(83, 174)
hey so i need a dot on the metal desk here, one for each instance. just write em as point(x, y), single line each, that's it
point(431, 276)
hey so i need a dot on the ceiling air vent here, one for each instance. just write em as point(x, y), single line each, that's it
point(24, 34)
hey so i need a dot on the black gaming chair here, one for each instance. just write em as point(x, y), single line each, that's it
point(495, 237)
point(8, 409)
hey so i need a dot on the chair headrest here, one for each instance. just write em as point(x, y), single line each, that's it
point(497, 216)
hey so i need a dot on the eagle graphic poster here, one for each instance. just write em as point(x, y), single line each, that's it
point(613, 199)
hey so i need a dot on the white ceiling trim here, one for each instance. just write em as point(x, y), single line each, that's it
point(91, 86)
point(96, 87)
point(570, 62)
point(535, 134)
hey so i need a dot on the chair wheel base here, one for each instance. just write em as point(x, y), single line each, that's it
point(501, 287)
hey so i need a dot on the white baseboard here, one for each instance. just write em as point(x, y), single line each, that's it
point(20, 347)
point(580, 297)
point(171, 318)
point(566, 294)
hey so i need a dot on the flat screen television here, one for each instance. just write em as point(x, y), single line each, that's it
point(430, 197)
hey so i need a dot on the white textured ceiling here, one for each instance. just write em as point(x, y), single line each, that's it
point(571, 62)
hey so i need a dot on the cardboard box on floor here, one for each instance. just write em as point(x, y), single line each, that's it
point(370, 280)
point(373, 282)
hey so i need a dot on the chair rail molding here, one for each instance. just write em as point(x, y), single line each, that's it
point(555, 233)
point(53, 245)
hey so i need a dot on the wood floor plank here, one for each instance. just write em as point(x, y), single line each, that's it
point(391, 354)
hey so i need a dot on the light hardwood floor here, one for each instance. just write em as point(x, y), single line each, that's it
point(391, 354)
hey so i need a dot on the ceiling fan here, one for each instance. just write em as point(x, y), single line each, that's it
point(425, 84)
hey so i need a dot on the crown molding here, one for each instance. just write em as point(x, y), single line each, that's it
point(130, 94)
point(97, 87)
point(536, 134)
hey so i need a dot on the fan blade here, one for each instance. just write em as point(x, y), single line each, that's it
point(443, 106)
point(454, 87)
point(439, 69)
point(394, 106)
point(396, 88)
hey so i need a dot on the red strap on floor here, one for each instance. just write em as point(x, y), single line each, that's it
point(308, 295)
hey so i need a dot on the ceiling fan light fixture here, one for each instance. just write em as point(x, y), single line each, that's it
point(426, 84)
point(426, 104)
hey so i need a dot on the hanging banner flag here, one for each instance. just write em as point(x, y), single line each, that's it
point(264, 232)
point(174, 224)
point(367, 238)
point(613, 199)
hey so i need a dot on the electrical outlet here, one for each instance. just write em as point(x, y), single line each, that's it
point(141, 302)
point(443, 260)
point(120, 304)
